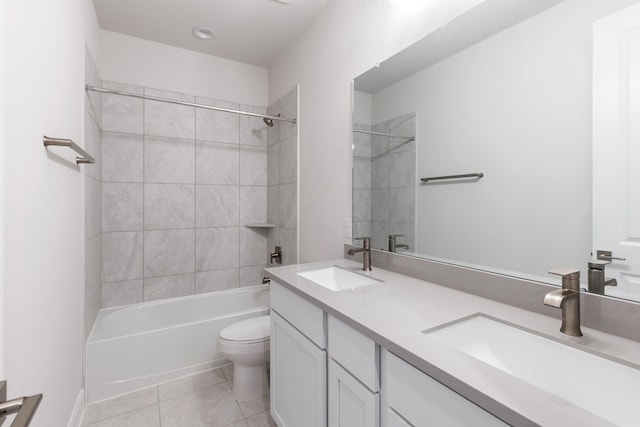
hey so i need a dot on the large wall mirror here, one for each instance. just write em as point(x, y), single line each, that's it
point(536, 103)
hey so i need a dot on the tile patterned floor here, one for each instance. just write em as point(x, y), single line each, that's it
point(200, 400)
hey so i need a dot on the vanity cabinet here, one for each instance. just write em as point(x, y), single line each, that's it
point(326, 373)
point(353, 381)
point(413, 398)
point(298, 361)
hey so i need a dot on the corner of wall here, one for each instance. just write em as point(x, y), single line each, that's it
point(2, 207)
point(75, 420)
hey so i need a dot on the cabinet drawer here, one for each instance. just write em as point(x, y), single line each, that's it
point(423, 401)
point(356, 352)
point(302, 314)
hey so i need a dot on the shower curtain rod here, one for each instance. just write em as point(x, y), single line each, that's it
point(188, 104)
point(409, 138)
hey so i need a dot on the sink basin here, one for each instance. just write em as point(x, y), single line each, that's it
point(336, 278)
point(605, 387)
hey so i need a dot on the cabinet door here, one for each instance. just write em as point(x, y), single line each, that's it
point(351, 404)
point(298, 375)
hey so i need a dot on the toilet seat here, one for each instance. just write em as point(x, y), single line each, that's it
point(253, 330)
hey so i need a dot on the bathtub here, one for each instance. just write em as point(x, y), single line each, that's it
point(140, 345)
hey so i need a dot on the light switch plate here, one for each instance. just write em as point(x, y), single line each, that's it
point(348, 228)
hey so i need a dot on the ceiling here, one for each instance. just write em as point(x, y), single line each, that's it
point(250, 31)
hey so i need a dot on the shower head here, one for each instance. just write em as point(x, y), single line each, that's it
point(269, 122)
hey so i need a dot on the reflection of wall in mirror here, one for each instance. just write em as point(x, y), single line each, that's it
point(384, 182)
point(516, 106)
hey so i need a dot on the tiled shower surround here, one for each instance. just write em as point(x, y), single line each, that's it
point(179, 184)
point(282, 178)
point(384, 182)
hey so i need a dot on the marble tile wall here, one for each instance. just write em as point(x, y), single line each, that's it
point(282, 179)
point(384, 182)
point(179, 185)
point(93, 196)
point(361, 181)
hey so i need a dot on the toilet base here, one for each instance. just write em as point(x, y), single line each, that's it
point(250, 382)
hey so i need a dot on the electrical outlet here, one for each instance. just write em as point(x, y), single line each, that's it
point(348, 228)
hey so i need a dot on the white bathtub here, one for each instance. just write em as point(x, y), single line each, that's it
point(141, 345)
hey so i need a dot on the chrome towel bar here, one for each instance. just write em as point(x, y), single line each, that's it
point(466, 175)
point(86, 158)
point(368, 132)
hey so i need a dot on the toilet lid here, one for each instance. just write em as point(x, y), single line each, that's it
point(253, 329)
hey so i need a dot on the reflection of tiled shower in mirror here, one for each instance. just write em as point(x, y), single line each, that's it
point(384, 182)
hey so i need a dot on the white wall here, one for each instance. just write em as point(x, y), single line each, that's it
point(127, 59)
point(523, 118)
point(362, 108)
point(2, 142)
point(43, 202)
point(348, 38)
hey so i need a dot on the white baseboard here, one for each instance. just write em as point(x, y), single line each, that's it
point(78, 411)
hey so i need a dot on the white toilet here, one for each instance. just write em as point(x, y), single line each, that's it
point(246, 344)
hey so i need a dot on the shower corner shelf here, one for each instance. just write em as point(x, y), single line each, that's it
point(260, 225)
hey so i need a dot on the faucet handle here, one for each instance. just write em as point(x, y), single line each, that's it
point(366, 241)
point(598, 264)
point(608, 256)
point(571, 273)
point(570, 277)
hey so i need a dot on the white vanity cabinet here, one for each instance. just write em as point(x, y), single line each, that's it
point(298, 361)
point(353, 380)
point(326, 373)
point(413, 398)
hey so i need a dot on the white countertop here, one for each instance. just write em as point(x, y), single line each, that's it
point(394, 314)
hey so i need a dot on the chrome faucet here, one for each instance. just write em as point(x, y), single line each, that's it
point(393, 245)
point(366, 252)
point(597, 281)
point(567, 299)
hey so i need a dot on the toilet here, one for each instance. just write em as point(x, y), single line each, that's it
point(246, 344)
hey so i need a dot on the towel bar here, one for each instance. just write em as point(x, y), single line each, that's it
point(466, 175)
point(86, 158)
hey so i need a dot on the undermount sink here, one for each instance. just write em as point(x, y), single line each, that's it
point(336, 278)
point(605, 387)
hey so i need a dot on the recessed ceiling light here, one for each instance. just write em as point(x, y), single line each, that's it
point(202, 33)
point(283, 1)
